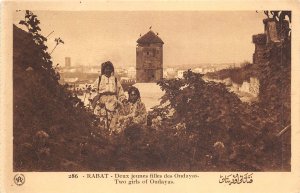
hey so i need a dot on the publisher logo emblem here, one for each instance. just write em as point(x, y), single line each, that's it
point(19, 179)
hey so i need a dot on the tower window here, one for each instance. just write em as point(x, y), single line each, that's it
point(154, 52)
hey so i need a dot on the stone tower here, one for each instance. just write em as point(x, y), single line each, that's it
point(149, 58)
point(67, 62)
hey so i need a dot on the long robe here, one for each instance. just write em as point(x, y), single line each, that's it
point(111, 95)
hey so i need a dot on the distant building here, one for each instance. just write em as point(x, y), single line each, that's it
point(67, 61)
point(198, 70)
point(92, 69)
point(165, 74)
point(71, 80)
point(131, 72)
point(170, 70)
point(149, 58)
point(119, 70)
point(169, 73)
point(245, 87)
point(180, 73)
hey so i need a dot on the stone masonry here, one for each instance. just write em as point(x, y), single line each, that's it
point(149, 58)
point(274, 32)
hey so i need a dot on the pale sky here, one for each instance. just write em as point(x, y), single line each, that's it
point(190, 37)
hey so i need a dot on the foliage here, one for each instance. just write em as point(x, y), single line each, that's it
point(282, 19)
point(209, 115)
point(199, 126)
point(236, 74)
point(49, 122)
point(57, 41)
point(32, 24)
point(279, 16)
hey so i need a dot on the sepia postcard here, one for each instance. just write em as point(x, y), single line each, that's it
point(152, 96)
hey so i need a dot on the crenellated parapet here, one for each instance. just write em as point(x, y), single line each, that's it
point(260, 55)
point(260, 39)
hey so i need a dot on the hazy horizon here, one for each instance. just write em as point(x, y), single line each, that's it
point(169, 66)
point(190, 37)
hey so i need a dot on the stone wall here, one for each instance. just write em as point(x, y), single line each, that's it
point(260, 55)
point(251, 87)
point(247, 91)
point(149, 60)
point(275, 32)
point(254, 86)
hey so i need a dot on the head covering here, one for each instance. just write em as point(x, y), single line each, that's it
point(105, 65)
point(134, 89)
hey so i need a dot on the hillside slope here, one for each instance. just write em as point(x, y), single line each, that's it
point(48, 126)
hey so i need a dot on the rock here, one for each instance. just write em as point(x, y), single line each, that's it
point(29, 69)
point(41, 135)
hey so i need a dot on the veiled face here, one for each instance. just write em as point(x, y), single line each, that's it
point(133, 97)
point(108, 71)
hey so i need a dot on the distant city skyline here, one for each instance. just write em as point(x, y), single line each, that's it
point(190, 37)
